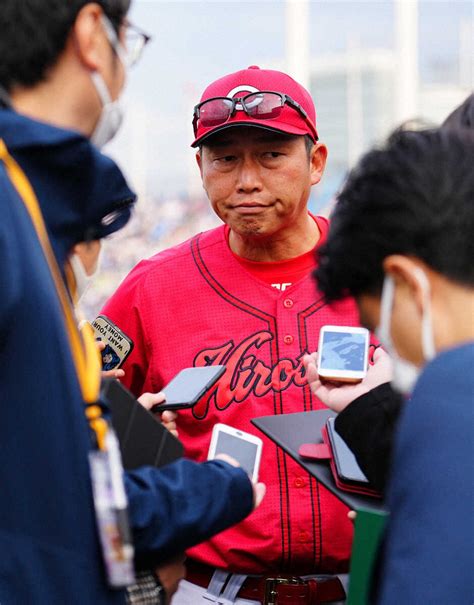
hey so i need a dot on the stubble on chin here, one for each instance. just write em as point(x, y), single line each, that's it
point(249, 227)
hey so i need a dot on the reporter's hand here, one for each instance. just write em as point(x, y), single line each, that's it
point(170, 575)
point(168, 418)
point(339, 396)
point(117, 373)
point(259, 489)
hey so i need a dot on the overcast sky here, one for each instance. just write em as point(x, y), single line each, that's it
point(195, 42)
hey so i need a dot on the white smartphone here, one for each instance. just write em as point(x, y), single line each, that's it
point(244, 447)
point(343, 353)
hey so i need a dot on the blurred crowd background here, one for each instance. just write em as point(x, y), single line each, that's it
point(370, 65)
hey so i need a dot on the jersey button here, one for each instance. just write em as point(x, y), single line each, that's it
point(288, 339)
point(288, 303)
point(299, 482)
point(303, 536)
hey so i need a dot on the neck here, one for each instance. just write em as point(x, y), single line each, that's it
point(295, 241)
point(61, 100)
point(453, 317)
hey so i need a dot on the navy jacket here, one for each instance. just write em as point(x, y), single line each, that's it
point(429, 548)
point(48, 540)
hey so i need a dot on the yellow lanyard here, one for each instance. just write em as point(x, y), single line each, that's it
point(84, 350)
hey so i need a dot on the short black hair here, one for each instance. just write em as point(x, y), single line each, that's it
point(414, 197)
point(462, 116)
point(34, 33)
point(309, 144)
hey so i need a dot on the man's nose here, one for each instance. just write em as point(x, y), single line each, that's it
point(249, 177)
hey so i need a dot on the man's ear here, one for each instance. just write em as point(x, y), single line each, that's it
point(88, 36)
point(319, 153)
point(199, 160)
point(406, 271)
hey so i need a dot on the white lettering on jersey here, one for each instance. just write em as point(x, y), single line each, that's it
point(282, 286)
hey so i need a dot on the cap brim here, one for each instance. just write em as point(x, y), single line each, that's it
point(282, 128)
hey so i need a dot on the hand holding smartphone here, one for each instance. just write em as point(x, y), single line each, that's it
point(118, 345)
point(244, 447)
point(343, 353)
point(188, 386)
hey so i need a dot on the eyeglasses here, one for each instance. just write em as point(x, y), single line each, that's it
point(135, 41)
point(261, 105)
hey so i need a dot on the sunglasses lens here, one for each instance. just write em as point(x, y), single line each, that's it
point(264, 105)
point(215, 112)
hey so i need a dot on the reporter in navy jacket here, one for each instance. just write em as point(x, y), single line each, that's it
point(60, 64)
point(401, 242)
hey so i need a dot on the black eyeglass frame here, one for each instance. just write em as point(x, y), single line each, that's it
point(286, 100)
point(146, 38)
point(123, 53)
point(139, 31)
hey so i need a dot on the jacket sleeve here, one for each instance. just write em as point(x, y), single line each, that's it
point(183, 504)
point(367, 425)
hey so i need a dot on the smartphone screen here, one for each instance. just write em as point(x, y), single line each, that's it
point(346, 464)
point(188, 386)
point(242, 450)
point(343, 351)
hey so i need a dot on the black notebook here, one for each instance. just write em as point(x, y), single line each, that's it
point(144, 441)
point(290, 431)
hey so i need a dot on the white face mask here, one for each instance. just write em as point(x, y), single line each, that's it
point(83, 280)
point(111, 116)
point(405, 373)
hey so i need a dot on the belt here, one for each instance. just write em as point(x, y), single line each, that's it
point(277, 589)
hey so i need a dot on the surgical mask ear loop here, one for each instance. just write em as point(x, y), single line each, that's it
point(386, 304)
point(405, 373)
point(111, 115)
point(427, 336)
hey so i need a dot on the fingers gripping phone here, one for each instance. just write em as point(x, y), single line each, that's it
point(244, 447)
point(188, 386)
point(118, 345)
point(343, 353)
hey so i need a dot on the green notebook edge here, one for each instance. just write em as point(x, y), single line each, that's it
point(369, 527)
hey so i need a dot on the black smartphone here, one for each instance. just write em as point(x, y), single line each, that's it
point(118, 345)
point(188, 386)
point(346, 465)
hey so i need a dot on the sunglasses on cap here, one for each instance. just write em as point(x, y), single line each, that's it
point(261, 105)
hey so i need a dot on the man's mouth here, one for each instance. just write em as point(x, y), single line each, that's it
point(250, 207)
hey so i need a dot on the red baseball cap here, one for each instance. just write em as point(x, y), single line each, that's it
point(254, 79)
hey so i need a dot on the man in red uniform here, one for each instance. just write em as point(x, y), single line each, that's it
point(242, 295)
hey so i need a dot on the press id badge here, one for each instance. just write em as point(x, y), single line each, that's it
point(110, 503)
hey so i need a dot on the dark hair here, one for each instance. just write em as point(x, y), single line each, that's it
point(462, 116)
point(309, 144)
point(34, 33)
point(414, 197)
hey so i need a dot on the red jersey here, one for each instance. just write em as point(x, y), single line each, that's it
point(195, 305)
